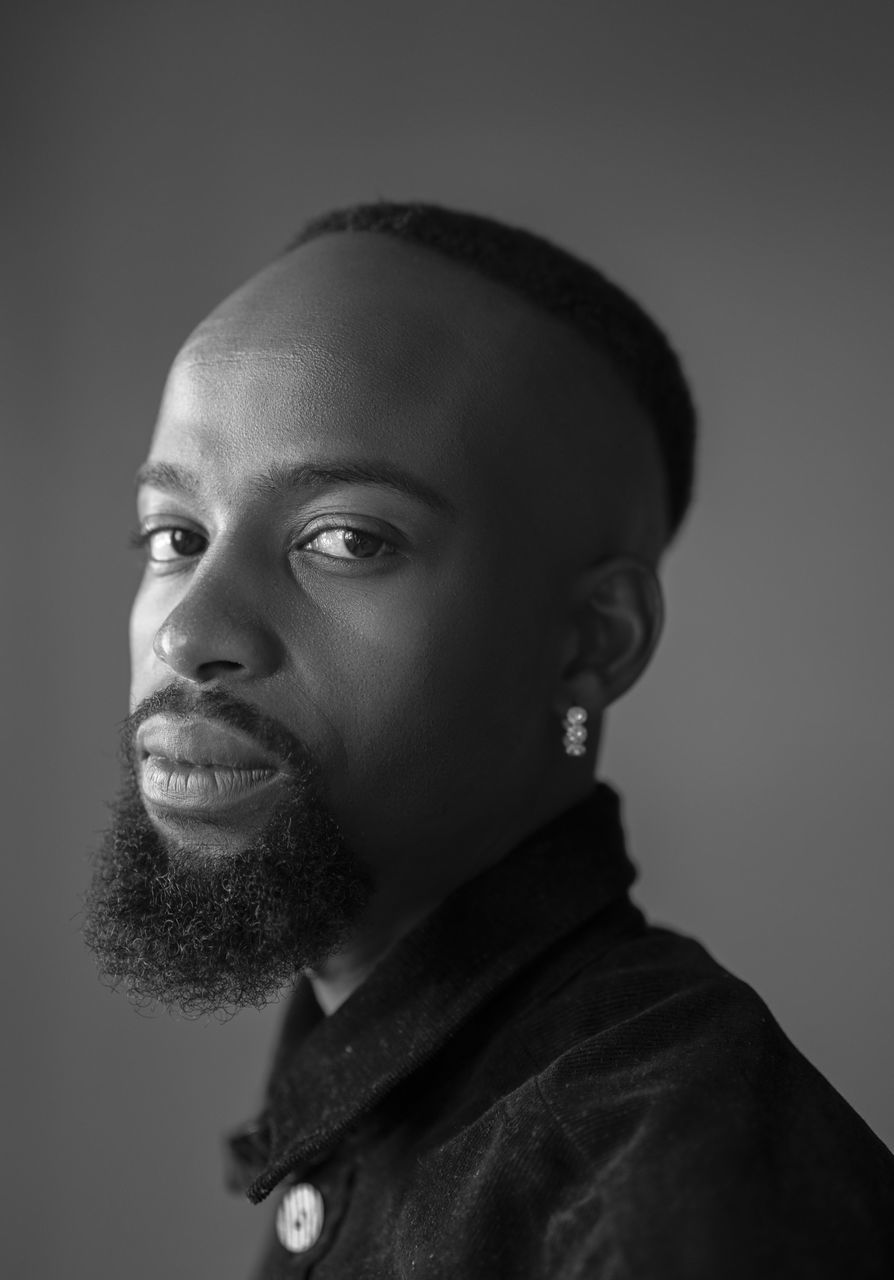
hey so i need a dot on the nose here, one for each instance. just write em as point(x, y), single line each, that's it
point(214, 631)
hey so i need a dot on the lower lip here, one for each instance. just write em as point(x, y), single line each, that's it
point(201, 789)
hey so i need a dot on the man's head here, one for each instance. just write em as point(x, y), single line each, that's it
point(403, 502)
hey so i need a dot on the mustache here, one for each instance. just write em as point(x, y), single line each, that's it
point(216, 704)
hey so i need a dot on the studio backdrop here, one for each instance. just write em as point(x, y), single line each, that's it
point(729, 164)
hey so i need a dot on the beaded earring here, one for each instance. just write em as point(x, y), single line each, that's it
point(575, 733)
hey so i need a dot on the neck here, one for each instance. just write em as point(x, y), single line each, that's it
point(341, 974)
point(402, 903)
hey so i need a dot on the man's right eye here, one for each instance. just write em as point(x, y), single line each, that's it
point(171, 543)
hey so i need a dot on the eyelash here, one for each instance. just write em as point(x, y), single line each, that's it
point(139, 539)
point(338, 526)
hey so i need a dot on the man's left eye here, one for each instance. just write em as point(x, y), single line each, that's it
point(348, 544)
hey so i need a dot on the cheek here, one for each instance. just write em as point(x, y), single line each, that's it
point(427, 682)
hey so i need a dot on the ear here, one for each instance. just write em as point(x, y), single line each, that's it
point(617, 621)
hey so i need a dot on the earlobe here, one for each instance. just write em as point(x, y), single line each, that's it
point(619, 615)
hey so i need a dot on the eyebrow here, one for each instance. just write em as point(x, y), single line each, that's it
point(320, 475)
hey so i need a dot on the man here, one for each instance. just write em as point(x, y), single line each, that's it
point(403, 510)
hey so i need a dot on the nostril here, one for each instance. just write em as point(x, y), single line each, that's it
point(212, 670)
point(207, 636)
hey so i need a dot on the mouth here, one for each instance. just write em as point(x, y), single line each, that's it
point(200, 767)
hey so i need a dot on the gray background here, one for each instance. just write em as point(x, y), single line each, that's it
point(731, 164)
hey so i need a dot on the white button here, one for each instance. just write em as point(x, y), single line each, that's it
point(299, 1219)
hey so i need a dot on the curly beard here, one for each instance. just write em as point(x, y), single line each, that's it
point(209, 934)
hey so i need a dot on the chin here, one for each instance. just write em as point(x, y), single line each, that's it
point(211, 914)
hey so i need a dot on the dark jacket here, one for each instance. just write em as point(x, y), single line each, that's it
point(536, 1083)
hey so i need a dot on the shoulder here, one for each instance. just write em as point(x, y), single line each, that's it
point(657, 1010)
point(689, 1110)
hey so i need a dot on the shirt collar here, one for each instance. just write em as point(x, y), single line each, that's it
point(328, 1072)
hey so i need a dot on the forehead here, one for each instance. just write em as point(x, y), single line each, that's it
point(358, 345)
point(393, 306)
point(350, 342)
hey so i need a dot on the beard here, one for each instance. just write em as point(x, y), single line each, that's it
point(186, 926)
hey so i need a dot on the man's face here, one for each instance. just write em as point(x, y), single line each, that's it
point(362, 514)
point(359, 547)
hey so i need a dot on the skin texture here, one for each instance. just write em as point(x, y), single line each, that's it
point(427, 680)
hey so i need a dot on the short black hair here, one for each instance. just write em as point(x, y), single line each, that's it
point(566, 287)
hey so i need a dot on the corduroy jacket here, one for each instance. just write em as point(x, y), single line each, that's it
point(535, 1083)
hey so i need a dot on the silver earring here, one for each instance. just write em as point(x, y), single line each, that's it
point(575, 733)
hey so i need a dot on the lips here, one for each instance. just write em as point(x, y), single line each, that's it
point(200, 766)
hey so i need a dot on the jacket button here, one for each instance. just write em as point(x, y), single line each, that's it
point(299, 1219)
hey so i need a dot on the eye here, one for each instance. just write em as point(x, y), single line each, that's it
point(170, 543)
point(345, 543)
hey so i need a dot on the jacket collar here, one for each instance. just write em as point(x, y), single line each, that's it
point(328, 1072)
